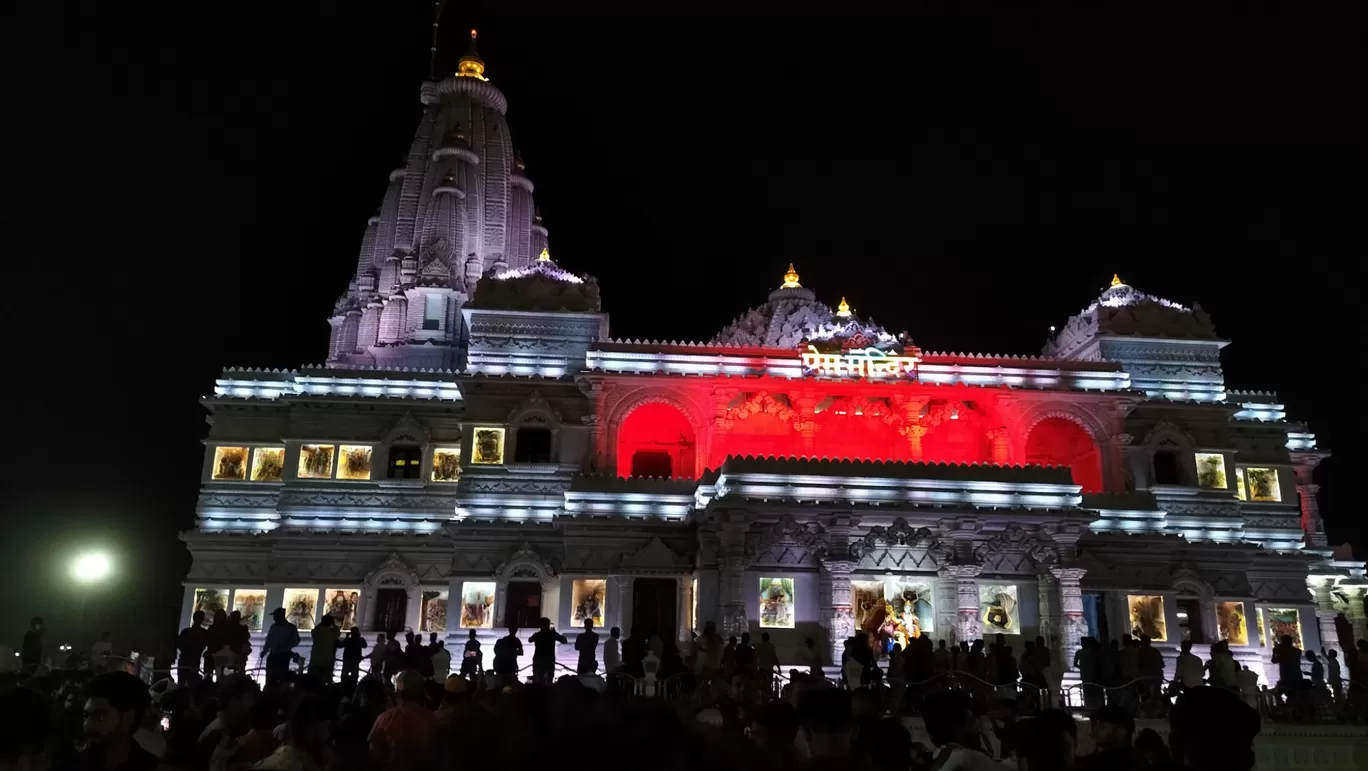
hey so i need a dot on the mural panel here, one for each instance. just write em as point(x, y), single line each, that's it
point(587, 599)
point(477, 605)
point(300, 606)
point(1147, 616)
point(1230, 623)
point(251, 603)
point(434, 612)
point(998, 609)
point(776, 603)
point(342, 606)
point(1285, 621)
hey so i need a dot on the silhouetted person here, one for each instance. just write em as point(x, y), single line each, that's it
point(586, 643)
point(352, 653)
point(507, 650)
point(612, 650)
point(114, 707)
point(1210, 729)
point(544, 643)
point(190, 645)
point(278, 649)
point(472, 662)
point(33, 645)
point(439, 658)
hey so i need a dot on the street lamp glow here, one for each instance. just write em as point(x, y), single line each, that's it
point(89, 568)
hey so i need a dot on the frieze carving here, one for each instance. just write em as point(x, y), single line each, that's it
point(366, 500)
point(253, 500)
point(761, 402)
point(535, 405)
point(394, 571)
point(811, 537)
point(899, 533)
point(1016, 539)
point(407, 429)
point(540, 487)
point(654, 557)
point(522, 560)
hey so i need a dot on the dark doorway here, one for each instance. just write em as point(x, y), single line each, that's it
point(391, 610)
point(533, 446)
point(1095, 614)
point(654, 607)
point(1190, 620)
point(522, 604)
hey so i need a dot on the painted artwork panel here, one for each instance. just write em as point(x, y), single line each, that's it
point(251, 603)
point(446, 464)
point(1285, 621)
point(998, 609)
point(1211, 471)
point(434, 612)
point(776, 603)
point(341, 605)
point(489, 446)
point(477, 605)
point(315, 461)
point(587, 598)
point(211, 601)
point(912, 606)
point(300, 607)
point(1241, 485)
point(1231, 624)
point(268, 464)
point(867, 602)
point(354, 462)
point(1147, 616)
point(1263, 625)
point(1263, 485)
point(230, 463)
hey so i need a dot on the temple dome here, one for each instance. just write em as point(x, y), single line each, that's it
point(792, 315)
point(1121, 310)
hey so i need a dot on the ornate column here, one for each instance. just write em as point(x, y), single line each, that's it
point(1002, 451)
point(731, 574)
point(1047, 593)
point(1354, 590)
point(1312, 524)
point(1132, 475)
point(622, 613)
point(686, 599)
point(837, 616)
point(1072, 624)
point(1325, 614)
point(968, 626)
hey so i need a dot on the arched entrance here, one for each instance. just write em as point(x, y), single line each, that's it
point(656, 440)
point(1062, 442)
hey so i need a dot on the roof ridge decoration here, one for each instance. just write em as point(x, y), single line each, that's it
point(1015, 538)
point(900, 534)
point(792, 317)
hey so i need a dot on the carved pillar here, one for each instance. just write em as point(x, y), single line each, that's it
point(914, 433)
point(1071, 622)
point(1002, 449)
point(1354, 591)
point(1126, 461)
point(453, 609)
point(968, 626)
point(731, 575)
point(806, 422)
point(1325, 615)
point(1312, 524)
point(685, 613)
point(414, 611)
point(1047, 593)
point(837, 615)
point(620, 611)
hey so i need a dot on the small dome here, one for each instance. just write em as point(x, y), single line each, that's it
point(792, 315)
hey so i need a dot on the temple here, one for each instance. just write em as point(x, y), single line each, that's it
point(478, 452)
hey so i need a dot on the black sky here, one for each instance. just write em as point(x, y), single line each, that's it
point(192, 184)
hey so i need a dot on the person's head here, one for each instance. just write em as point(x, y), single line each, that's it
point(197, 618)
point(354, 633)
point(1186, 646)
point(1048, 741)
point(1287, 640)
point(615, 632)
point(472, 634)
point(942, 643)
point(236, 695)
point(408, 685)
point(710, 627)
point(1311, 656)
point(512, 631)
point(36, 623)
point(432, 638)
point(114, 707)
point(745, 638)
point(408, 637)
point(278, 615)
point(1112, 727)
point(380, 638)
point(949, 717)
point(825, 717)
point(1144, 641)
point(455, 690)
point(1040, 641)
point(544, 623)
point(1152, 751)
point(588, 624)
point(24, 729)
point(1030, 646)
point(327, 621)
point(1331, 654)
point(1212, 729)
point(739, 688)
point(764, 637)
point(775, 725)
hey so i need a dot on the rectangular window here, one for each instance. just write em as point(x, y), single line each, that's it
point(533, 446)
point(230, 463)
point(268, 464)
point(405, 461)
point(1166, 468)
point(446, 464)
point(1263, 484)
point(434, 308)
point(489, 446)
point(316, 461)
point(354, 462)
point(1211, 470)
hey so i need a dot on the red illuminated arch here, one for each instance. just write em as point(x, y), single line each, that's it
point(656, 439)
point(1062, 442)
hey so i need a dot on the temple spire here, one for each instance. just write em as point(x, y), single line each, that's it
point(545, 255)
point(791, 279)
point(471, 65)
point(843, 310)
point(1116, 280)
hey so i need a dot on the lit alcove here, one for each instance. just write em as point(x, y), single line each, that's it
point(1062, 442)
point(656, 440)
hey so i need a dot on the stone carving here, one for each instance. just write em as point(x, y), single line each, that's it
point(899, 533)
point(406, 429)
point(811, 537)
point(758, 403)
point(654, 557)
point(534, 405)
point(1015, 538)
point(792, 316)
point(525, 562)
point(394, 571)
point(397, 499)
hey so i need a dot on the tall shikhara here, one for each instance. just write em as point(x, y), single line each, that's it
point(460, 206)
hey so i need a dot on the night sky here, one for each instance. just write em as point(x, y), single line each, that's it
point(191, 188)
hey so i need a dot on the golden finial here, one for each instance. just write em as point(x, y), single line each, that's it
point(470, 65)
point(545, 255)
point(843, 310)
point(1116, 280)
point(791, 279)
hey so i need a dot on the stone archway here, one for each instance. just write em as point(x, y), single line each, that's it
point(1061, 439)
point(533, 576)
point(656, 438)
point(394, 574)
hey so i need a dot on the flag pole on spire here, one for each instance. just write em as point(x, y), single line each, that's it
point(437, 7)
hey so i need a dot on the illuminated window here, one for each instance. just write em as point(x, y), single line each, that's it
point(446, 464)
point(354, 462)
point(268, 464)
point(434, 308)
point(1240, 485)
point(316, 461)
point(489, 446)
point(405, 461)
point(533, 445)
point(1263, 484)
point(230, 463)
point(1166, 468)
point(1211, 470)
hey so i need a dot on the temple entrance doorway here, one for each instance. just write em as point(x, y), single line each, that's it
point(522, 604)
point(1095, 615)
point(654, 607)
point(391, 610)
point(1190, 620)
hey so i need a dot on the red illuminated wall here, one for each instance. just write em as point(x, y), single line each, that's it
point(844, 421)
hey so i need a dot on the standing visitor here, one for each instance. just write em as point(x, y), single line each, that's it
point(323, 654)
point(766, 663)
point(377, 655)
point(507, 650)
point(1332, 667)
point(544, 643)
point(100, 653)
point(810, 657)
point(278, 649)
point(190, 645)
point(1190, 668)
point(114, 706)
point(352, 653)
point(239, 642)
point(587, 645)
point(612, 656)
point(441, 659)
point(405, 736)
point(472, 661)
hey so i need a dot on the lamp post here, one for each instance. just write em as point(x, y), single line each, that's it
point(89, 569)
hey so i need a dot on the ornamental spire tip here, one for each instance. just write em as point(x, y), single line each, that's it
point(843, 310)
point(791, 279)
point(1116, 280)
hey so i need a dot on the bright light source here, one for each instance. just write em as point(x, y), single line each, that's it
point(89, 568)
